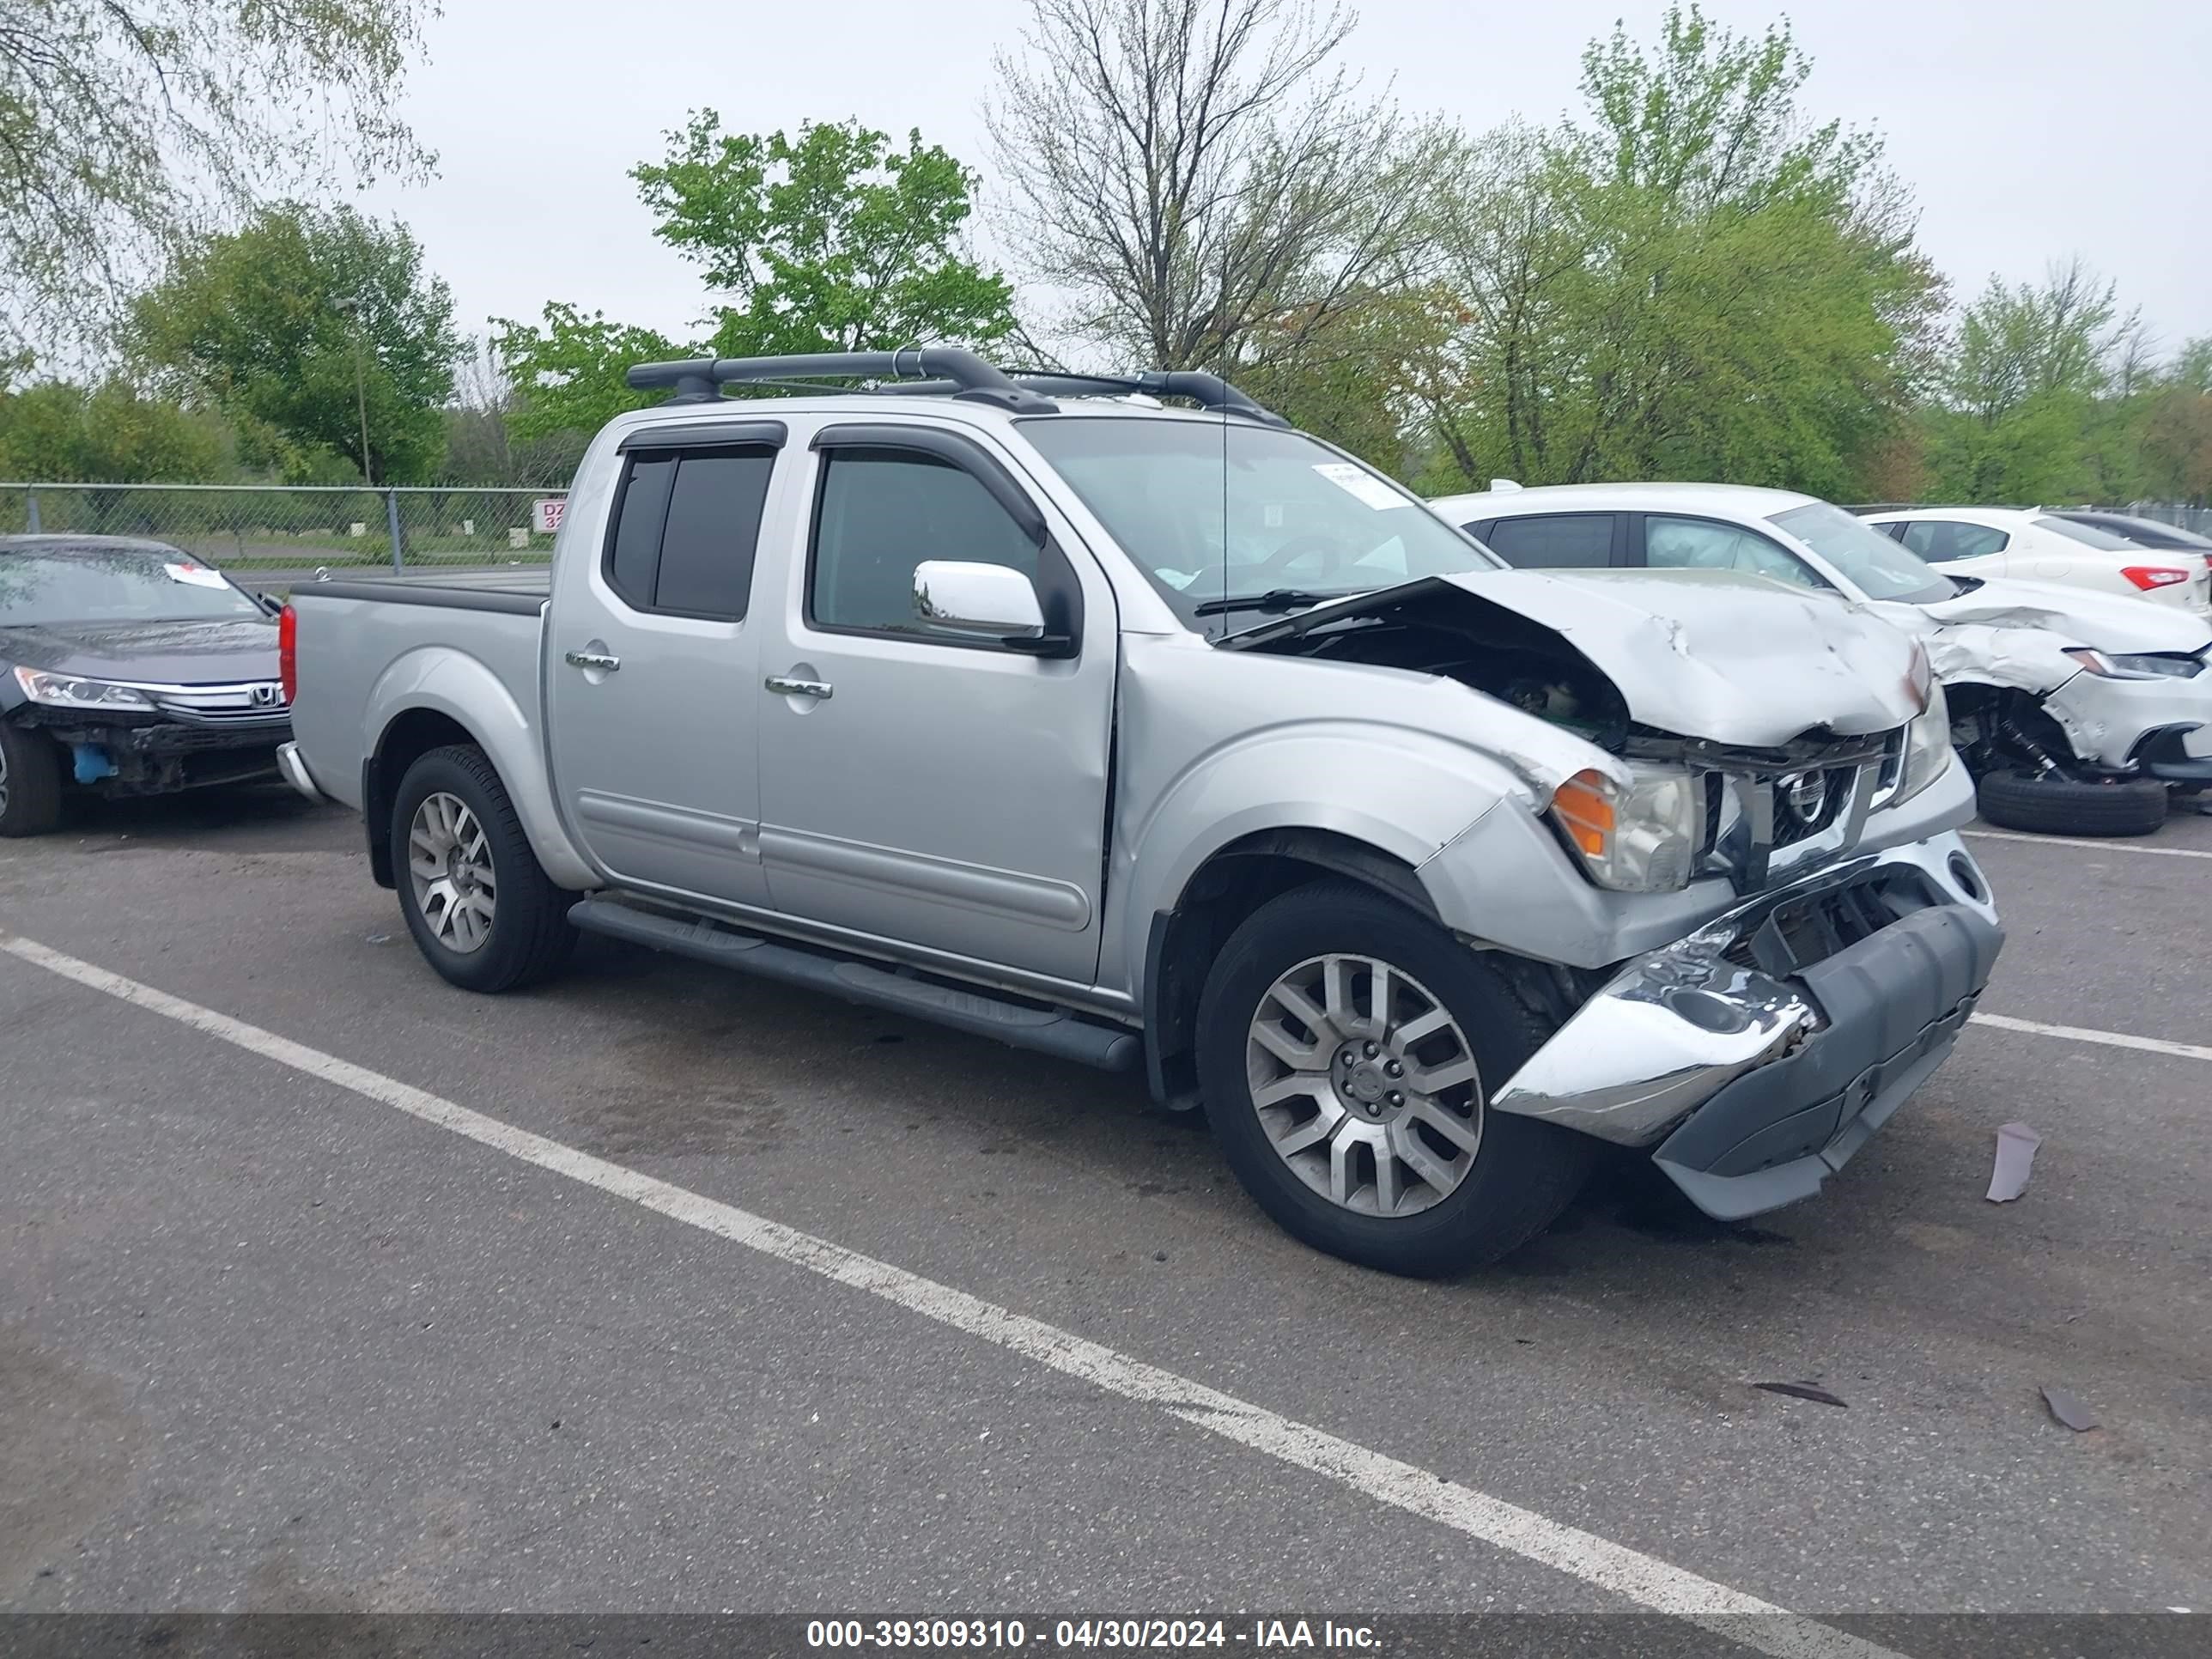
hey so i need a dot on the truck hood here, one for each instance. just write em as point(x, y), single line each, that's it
point(1731, 658)
point(217, 651)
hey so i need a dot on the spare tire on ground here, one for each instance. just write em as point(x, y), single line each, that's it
point(2052, 803)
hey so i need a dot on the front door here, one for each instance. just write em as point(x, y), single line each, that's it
point(652, 691)
point(925, 791)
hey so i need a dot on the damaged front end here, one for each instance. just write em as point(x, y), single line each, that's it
point(1751, 731)
point(1756, 1056)
point(2088, 685)
point(191, 737)
point(1777, 936)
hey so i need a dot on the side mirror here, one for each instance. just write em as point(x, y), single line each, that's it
point(977, 601)
point(270, 603)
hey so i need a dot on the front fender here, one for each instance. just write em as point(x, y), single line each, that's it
point(1399, 791)
point(451, 683)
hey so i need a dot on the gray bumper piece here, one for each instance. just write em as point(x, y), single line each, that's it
point(1894, 1004)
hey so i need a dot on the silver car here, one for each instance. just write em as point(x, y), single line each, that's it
point(1171, 740)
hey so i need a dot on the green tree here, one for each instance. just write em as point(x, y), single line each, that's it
point(2033, 371)
point(289, 323)
point(833, 241)
point(127, 125)
point(1690, 280)
point(107, 433)
point(2176, 433)
point(568, 370)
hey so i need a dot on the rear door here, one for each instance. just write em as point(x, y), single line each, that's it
point(923, 791)
point(651, 688)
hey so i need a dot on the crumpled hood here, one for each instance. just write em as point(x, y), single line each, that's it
point(2016, 633)
point(216, 651)
point(1713, 653)
point(1731, 658)
point(2109, 621)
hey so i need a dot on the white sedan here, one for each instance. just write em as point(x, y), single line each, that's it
point(2007, 541)
point(2075, 711)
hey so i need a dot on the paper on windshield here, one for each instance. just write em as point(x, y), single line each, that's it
point(1362, 485)
point(195, 575)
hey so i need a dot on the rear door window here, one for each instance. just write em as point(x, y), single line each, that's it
point(1556, 541)
point(1938, 539)
point(686, 531)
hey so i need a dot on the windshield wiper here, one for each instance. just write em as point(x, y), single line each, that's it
point(1275, 598)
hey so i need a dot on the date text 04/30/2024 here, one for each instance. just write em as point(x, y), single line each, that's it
point(1256, 1635)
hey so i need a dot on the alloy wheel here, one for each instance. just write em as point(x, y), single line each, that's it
point(449, 864)
point(1364, 1084)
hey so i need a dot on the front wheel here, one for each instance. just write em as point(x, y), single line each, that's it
point(481, 910)
point(30, 782)
point(1346, 1050)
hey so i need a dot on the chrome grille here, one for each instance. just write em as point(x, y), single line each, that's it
point(244, 702)
point(1772, 812)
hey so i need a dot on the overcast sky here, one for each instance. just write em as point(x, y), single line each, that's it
point(2028, 130)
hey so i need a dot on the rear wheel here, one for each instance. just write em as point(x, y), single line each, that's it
point(2052, 803)
point(1345, 1048)
point(30, 782)
point(481, 910)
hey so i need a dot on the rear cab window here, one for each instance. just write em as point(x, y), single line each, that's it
point(686, 528)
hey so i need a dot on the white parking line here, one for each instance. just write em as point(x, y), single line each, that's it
point(2095, 846)
point(2084, 1034)
point(1631, 1574)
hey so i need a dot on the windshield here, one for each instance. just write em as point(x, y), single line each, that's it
point(1863, 557)
point(113, 585)
point(1232, 519)
point(2090, 536)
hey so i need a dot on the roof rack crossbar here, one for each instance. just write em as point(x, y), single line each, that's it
point(699, 379)
point(1208, 392)
point(939, 371)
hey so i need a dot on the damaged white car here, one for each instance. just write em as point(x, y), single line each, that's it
point(2077, 713)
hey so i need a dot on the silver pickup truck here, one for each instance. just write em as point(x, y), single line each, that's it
point(1115, 720)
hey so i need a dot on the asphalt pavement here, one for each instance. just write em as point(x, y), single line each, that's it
point(380, 1301)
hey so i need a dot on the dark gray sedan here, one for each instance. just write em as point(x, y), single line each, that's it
point(128, 668)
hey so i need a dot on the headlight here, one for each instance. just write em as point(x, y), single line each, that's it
point(1926, 747)
point(1641, 838)
point(2106, 665)
point(67, 692)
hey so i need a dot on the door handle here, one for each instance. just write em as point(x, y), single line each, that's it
point(784, 685)
point(604, 660)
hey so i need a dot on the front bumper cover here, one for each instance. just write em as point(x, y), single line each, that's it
point(1759, 1054)
point(154, 755)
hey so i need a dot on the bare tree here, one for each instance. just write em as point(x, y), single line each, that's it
point(1207, 190)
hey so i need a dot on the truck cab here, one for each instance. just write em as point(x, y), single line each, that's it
point(1171, 739)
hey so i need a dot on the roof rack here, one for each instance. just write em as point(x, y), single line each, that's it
point(936, 371)
point(701, 380)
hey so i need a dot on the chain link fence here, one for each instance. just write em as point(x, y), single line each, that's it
point(273, 531)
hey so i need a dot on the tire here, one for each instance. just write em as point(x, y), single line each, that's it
point(2054, 804)
point(1510, 1183)
point(494, 920)
point(30, 782)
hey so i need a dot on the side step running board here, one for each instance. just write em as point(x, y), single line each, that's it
point(1046, 1030)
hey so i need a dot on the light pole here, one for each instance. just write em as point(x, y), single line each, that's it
point(348, 305)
